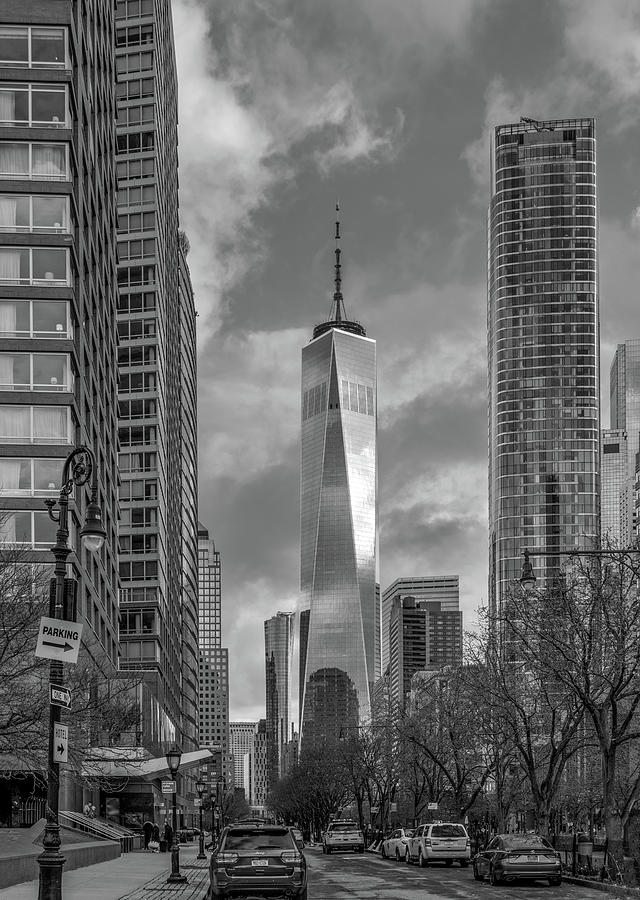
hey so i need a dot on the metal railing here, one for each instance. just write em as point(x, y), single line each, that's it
point(128, 840)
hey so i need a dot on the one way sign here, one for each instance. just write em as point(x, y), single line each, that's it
point(59, 696)
point(59, 639)
point(60, 743)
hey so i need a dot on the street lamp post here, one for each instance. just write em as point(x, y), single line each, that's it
point(201, 788)
point(528, 578)
point(173, 758)
point(79, 467)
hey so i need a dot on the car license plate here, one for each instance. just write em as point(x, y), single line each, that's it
point(259, 862)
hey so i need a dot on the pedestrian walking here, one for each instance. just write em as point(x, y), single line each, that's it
point(147, 830)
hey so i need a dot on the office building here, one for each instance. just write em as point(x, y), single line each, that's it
point(213, 658)
point(443, 589)
point(422, 636)
point(624, 388)
point(156, 389)
point(337, 621)
point(241, 744)
point(543, 347)
point(259, 786)
point(278, 650)
point(615, 484)
point(58, 286)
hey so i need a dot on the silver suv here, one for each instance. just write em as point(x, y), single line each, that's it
point(343, 836)
point(439, 842)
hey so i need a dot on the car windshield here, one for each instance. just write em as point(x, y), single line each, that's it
point(344, 826)
point(448, 831)
point(265, 839)
point(525, 841)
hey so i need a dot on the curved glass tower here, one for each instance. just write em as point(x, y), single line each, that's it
point(543, 346)
point(337, 620)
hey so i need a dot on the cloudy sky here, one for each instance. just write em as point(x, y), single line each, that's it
point(385, 105)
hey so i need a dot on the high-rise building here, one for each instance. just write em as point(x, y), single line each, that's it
point(614, 484)
point(156, 389)
point(337, 623)
point(443, 589)
point(214, 658)
point(58, 285)
point(624, 390)
point(278, 649)
point(543, 347)
point(259, 788)
point(422, 636)
point(241, 742)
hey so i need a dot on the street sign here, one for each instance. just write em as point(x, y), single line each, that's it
point(197, 801)
point(59, 696)
point(168, 787)
point(374, 810)
point(60, 743)
point(432, 805)
point(59, 639)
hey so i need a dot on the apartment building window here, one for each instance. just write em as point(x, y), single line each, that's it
point(35, 318)
point(30, 527)
point(23, 159)
point(34, 265)
point(35, 424)
point(42, 105)
point(32, 47)
point(35, 372)
point(27, 477)
point(34, 212)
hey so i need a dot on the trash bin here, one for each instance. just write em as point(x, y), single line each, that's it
point(163, 846)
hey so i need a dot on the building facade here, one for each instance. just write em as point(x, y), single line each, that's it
point(422, 636)
point(241, 742)
point(442, 589)
point(278, 651)
point(614, 486)
point(337, 622)
point(156, 388)
point(58, 294)
point(543, 347)
point(624, 388)
point(213, 658)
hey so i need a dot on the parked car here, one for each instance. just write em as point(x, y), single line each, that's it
point(343, 835)
point(439, 842)
point(511, 857)
point(298, 838)
point(256, 859)
point(395, 844)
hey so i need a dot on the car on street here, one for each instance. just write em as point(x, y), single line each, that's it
point(394, 846)
point(446, 842)
point(343, 835)
point(298, 838)
point(257, 860)
point(514, 857)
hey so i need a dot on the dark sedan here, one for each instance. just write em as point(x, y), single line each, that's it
point(259, 861)
point(511, 857)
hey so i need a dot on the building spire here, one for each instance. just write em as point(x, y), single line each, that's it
point(337, 296)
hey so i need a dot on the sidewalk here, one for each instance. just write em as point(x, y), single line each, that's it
point(133, 876)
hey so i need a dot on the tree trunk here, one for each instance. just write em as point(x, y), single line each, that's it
point(615, 843)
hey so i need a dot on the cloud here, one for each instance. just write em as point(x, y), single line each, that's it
point(251, 99)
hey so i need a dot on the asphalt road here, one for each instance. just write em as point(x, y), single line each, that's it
point(354, 876)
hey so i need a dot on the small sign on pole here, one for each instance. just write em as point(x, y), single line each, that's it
point(432, 805)
point(60, 743)
point(59, 639)
point(168, 787)
point(59, 696)
point(197, 802)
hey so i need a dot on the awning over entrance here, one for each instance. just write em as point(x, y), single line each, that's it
point(124, 763)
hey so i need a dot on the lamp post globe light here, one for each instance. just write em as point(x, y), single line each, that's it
point(78, 469)
point(201, 787)
point(173, 757)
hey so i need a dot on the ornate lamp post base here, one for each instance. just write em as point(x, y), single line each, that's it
point(51, 863)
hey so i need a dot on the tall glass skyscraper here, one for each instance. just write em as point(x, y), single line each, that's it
point(543, 346)
point(337, 622)
point(278, 648)
point(624, 390)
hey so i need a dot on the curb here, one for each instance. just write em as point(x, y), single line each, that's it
point(620, 890)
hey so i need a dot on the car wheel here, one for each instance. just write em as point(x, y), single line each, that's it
point(324, 849)
point(493, 878)
point(464, 863)
point(448, 862)
point(476, 873)
point(422, 862)
point(556, 882)
point(407, 856)
point(397, 855)
point(329, 851)
point(383, 852)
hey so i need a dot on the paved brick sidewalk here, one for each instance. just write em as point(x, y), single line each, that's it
point(134, 876)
